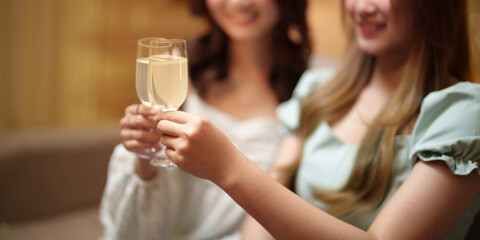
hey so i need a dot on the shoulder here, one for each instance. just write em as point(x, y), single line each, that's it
point(289, 112)
point(448, 128)
point(453, 109)
point(458, 93)
point(312, 78)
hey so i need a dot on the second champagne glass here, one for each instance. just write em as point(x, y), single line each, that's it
point(168, 80)
point(141, 84)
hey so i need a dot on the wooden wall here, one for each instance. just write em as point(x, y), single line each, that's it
point(70, 63)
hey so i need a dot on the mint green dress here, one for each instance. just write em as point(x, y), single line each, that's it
point(447, 129)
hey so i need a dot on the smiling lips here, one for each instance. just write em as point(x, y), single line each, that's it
point(370, 29)
point(244, 18)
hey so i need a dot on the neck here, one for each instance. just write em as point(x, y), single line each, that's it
point(388, 72)
point(249, 60)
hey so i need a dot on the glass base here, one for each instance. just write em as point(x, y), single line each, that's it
point(161, 160)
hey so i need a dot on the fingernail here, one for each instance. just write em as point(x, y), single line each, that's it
point(152, 111)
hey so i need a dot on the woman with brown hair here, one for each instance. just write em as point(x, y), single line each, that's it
point(241, 69)
point(386, 148)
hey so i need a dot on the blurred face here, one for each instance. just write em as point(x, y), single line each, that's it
point(379, 28)
point(245, 19)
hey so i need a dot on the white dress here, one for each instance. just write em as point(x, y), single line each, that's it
point(176, 205)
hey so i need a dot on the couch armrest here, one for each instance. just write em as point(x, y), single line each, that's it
point(51, 171)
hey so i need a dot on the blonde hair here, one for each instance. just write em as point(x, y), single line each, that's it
point(438, 52)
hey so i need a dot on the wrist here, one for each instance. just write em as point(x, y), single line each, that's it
point(144, 169)
point(233, 172)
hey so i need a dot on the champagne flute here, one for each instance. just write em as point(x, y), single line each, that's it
point(168, 81)
point(141, 84)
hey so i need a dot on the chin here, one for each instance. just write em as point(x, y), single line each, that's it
point(370, 47)
point(244, 35)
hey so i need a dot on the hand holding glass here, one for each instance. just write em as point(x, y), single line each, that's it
point(168, 80)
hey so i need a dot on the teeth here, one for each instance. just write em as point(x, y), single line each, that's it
point(371, 27)
point(244, 17)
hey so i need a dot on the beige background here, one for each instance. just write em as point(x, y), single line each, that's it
point(70, 63)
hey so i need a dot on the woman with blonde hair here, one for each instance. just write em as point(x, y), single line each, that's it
point(388, 147)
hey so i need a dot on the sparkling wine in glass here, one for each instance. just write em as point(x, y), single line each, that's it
point(141, 80)
point(168, 80)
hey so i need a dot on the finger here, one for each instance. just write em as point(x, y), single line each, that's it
point(141, 121)
point(137, 121)
point(131, 109)
point(175, 116)
point(169, 141)
point(124, 122)
point(171, 154)
point(141, 148)
point(134, 145)
point(140, 135)
point(136, 109)
point(170, 128)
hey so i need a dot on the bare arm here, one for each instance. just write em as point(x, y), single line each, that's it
point(428, 204)
point(426, 207)
point(430, 191)
point(282, 170)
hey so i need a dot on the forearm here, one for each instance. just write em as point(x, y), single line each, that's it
point(144, 169)
point(198, 147)
point(284, 214)
point(282, 171)
point(251, 230)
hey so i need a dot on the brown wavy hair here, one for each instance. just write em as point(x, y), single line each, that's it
point(208, 54)
point(439, 49)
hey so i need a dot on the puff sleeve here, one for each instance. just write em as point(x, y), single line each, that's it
point(135, 209)
point(448, 128)
point(288, 112)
